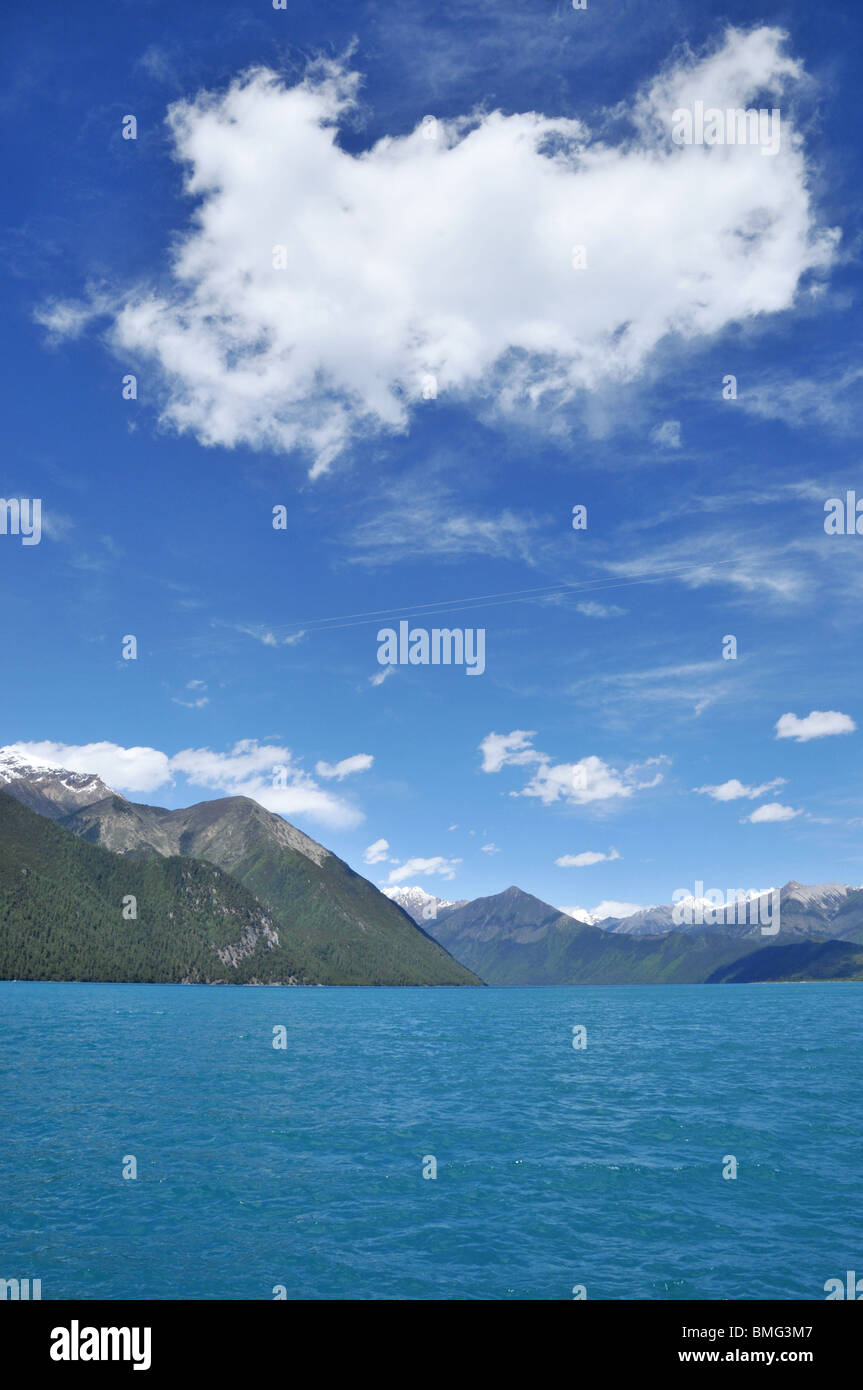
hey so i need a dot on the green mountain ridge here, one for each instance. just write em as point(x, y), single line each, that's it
point(61, 900)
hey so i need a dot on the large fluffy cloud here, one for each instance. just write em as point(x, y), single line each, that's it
point(444, 265)
point(266, 772)
point(137, 769)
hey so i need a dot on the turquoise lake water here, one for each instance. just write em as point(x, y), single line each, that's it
point(303, 1167)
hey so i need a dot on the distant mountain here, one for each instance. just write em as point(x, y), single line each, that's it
point(650, 921)
point(513, 938)
point(52, 791)
point(420, 905)
point(826, 910)
point(797, 961)
point(847, 922)
point(337, 926)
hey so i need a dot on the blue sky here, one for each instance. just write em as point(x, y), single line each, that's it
point(300, 387)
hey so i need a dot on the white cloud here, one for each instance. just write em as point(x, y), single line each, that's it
point(416, 868)
point(265, 772)
point(197, 701)
point(819, 724)
point(267, 637)
point(770, 812)
point(360, 762)
point(587, 857)
point(406, 524)
point(667, 435)
point(590, 779)
point(380, 676)
point(607, 908)
point(500, 749)
point(137, 769)
point(733, 790)
point(491, 849)
point(600, 610)
point(749, 563)
point(377, 852)
point(452, 258)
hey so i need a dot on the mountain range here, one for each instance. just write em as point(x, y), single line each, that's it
point(227, 892)
point(328, 925)
point(513, 938)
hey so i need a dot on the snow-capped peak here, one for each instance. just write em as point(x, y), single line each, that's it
point(44, 787)
point(817, 895)
point(417, 903)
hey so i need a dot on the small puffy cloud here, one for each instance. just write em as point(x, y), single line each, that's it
point(360, 762)
point(491, 849)
point(667, 435)
point(733, 790)
point(769, 813)
point(588, 856)
point(599, 610)
point(314, 292)
point(821, 723)
point(377, 852)
point(499, 750)
point(421, 868)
